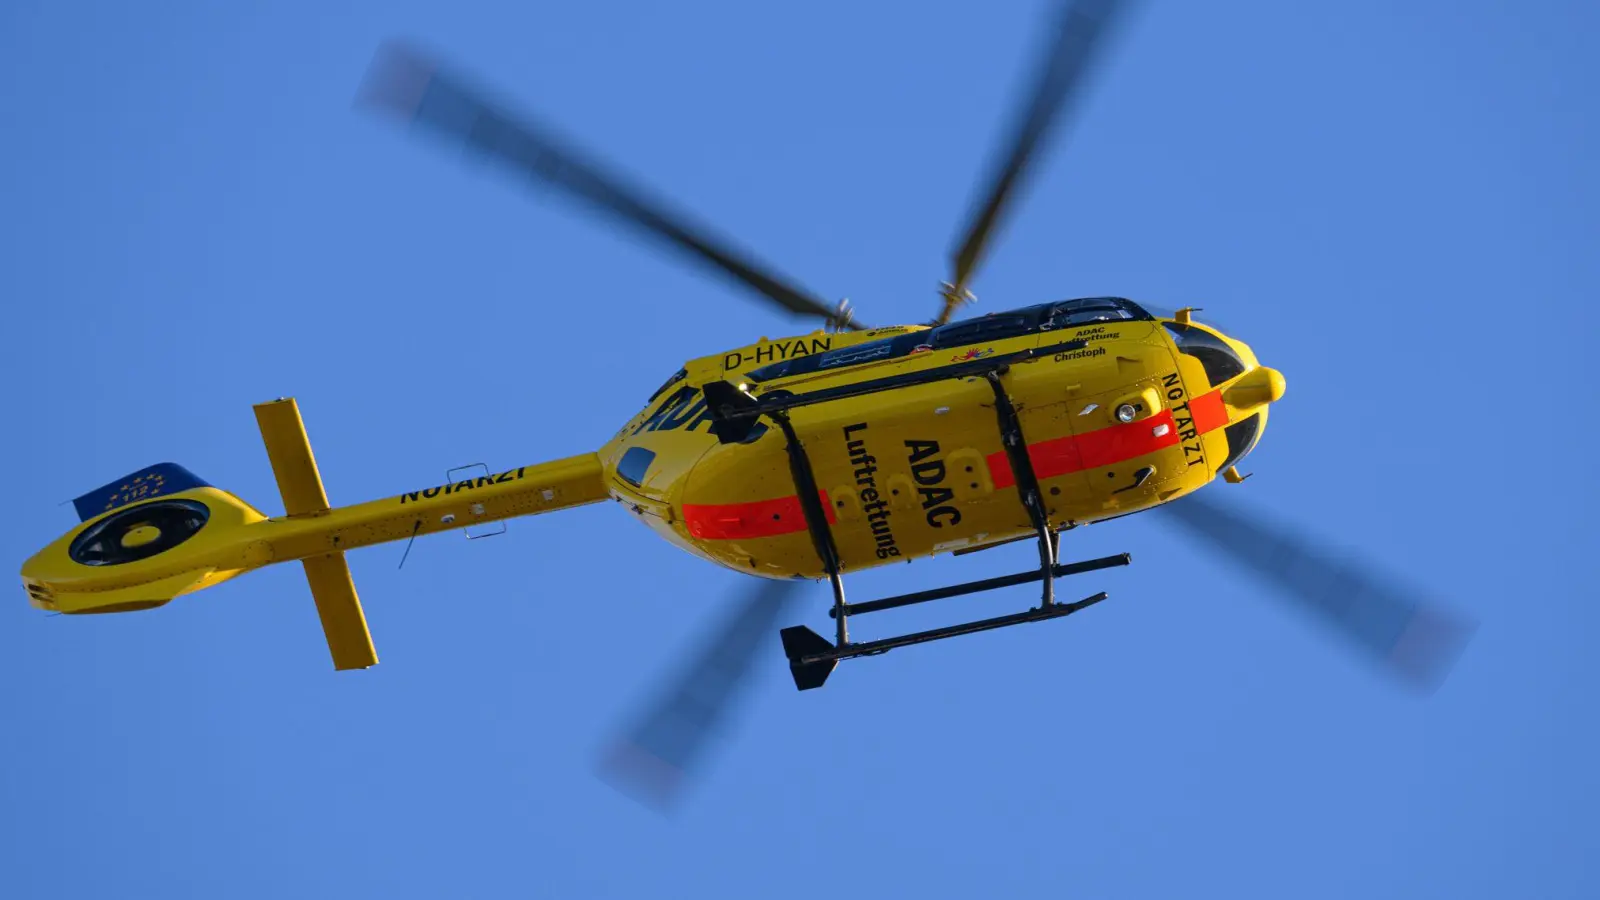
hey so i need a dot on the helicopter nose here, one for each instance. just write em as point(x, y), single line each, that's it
point(1258, 387)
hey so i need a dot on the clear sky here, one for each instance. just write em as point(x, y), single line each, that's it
point(1394, 203)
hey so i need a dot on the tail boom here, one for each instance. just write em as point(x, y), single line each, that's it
point(523, 491)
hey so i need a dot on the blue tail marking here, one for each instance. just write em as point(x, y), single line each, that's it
point(158, 480)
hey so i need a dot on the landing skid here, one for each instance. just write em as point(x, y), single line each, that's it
point(812, 657)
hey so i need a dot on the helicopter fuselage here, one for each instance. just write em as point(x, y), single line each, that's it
point(1120, 419)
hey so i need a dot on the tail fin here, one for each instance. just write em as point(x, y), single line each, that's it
point(145, 538)
point(154, 481)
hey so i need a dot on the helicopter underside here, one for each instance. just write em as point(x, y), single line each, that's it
point(1022, 438)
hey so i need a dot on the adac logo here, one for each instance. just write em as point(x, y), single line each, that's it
point(971, 355)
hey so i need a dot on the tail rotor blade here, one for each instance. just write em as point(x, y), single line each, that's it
point(1405, 634)
point(665, 744)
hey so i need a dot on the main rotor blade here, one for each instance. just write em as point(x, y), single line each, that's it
point(404, 83)
point(1408, 636)
point(1082, 33)
point(663, 746)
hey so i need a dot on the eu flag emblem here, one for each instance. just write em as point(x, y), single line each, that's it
point(158, 480)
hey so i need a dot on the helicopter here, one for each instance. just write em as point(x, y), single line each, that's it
point(796, 459)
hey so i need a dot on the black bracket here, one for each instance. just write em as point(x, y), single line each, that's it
point(1027, 484)
point(805, 483)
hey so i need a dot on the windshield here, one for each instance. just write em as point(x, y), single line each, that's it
point(1220, 361)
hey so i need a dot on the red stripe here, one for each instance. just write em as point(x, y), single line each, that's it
point(757, 519)
point(1209, 413)
point(1060, 456)
point(1111, 445)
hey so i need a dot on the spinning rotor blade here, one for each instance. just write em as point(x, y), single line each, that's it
point(1084, 27)
point(662, 747)
point(404, 83)
point(1411, 638)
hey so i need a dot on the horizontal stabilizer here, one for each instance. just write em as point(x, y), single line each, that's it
point(289, 451)
point(343, 622)
point(799, 642)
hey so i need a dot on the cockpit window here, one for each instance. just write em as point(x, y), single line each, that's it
point(1093, 309)
point(1241, 437)
point(681, 375)
point(980, 330)
point(1220, 361)
point(871, 351)
point(995, 327)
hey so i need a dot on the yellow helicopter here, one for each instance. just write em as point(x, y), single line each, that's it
point(798, 458)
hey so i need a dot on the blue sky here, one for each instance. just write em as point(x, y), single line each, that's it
point(1393, 203)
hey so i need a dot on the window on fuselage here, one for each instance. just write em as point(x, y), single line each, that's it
point(993, 327)
point(634, 464)
point(982, 330)
point(1089, 310)
point(1220, 361)
point(870, 351)
point(681, 375)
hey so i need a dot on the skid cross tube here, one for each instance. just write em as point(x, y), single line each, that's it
point(873, 648)
point(987, 584)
